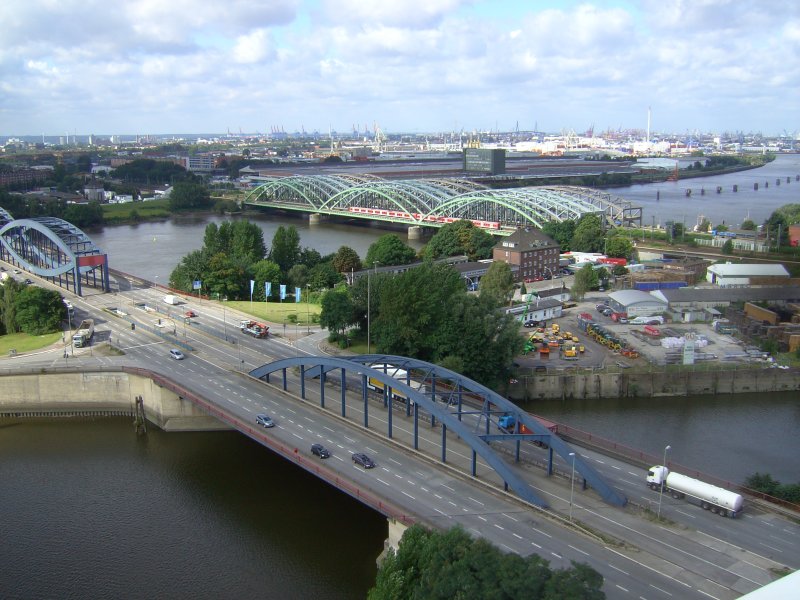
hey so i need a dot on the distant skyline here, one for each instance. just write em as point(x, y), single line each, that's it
point(189, 66)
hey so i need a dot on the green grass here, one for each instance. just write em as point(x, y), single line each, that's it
point(122, 213)
point(302, 313)
point(22, 342)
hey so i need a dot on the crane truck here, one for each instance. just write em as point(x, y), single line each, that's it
point(84, 334)
point(508, 424)
point(710, 497)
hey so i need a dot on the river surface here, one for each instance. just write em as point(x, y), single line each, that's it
point(92, 511)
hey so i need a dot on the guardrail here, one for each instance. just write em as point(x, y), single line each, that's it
point(644, 459)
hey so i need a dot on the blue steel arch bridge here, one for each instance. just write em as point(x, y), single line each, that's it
point(436, 202)
point(55, 250)
point(429, 395)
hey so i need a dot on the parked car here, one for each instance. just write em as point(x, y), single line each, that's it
point(265, 421)
point(362, 459)
point(320, 450)
point(176, 354)
point(531, 323)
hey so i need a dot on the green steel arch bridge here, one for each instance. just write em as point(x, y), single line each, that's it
point(436, 202)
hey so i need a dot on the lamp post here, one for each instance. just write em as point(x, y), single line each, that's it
point(308, 308)
point(572, 487)
point(224, 320)
point(369, 339)
point(661, 489)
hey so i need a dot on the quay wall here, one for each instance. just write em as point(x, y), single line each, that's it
point(653, 383)
point(67, 393)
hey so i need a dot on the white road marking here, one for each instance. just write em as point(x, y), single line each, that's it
point(542, 532)
point(482, 518)
point(516, 535)
point(618, 569)
point(382, 481)
point(707, 594)
point(660, 590)
point(407, 494)
point(620, 587)
point(579, 550)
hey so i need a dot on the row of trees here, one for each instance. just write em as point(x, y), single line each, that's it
point(426, 313)
point(30, 309)
point(449, 565)
point(80, 215)
point(772, 487)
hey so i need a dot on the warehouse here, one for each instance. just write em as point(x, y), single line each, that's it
point(636, 303)
point(729, 274)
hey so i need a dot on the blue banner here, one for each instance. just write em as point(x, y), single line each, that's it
point(267, 289)
point(197, 285)
point(283, 291)
point(297, 293)
point(252, 285)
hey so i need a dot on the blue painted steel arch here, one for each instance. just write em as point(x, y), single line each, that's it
point(50, 247)
point(592, 477)
point(478, 445)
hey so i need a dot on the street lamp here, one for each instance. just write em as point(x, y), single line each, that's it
point(661, 489)
point(224, 320)
point(369, 339)
point(572, 488)
point(308, 308)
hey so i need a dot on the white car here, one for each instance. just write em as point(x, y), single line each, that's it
point(176, 354)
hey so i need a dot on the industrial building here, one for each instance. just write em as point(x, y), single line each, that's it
point(730, 274)
point(534, 254)
point(636, 303)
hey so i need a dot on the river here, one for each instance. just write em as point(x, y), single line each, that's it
point(92, 511)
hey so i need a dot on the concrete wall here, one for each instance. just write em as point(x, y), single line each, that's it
point(108, 391)
point(652, 384)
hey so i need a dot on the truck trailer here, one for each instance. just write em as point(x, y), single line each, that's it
point(398, 374)
point(84, 334)
point(710, 497)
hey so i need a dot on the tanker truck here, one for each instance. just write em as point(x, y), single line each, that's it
point(710, 497)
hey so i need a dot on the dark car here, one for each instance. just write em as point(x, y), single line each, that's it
point(320, 450)
point(362, 459)
point(265, 421)
point(531, 323)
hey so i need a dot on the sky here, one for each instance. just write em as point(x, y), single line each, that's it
point(190, 66)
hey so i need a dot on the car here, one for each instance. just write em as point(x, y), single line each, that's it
point(320, 450)
point(601, 307)
point(362, 459)
point(189, 314)
point(265, 421)
point(607, 311)
point(176, 354)
point(531, 323)
point(529, 280)
point(28, 282)
point(622, 320)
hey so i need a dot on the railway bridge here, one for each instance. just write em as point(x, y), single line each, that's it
point(422, 203)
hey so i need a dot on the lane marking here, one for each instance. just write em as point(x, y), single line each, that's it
point(660, 590)
point(579, 550)
point(618, 569)
point(542, 532)
point(407, 494)
point(620, 587)
point(383, 482)
point(707, 594)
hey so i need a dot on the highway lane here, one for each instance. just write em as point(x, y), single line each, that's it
point(433, 500)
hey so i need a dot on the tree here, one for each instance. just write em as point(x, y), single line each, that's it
point(38, 310)
point(389, 250)
point(748, 225)
point(585, 279)
point(84, 215)
point(265, 271)
point(727, 247)
point(619, 247)
point(460, 237)
point(193, 267)
point(346, 260)
point(498, 283)
point(285, 247)
point(589, 234)
point(337, 312)
point(246, 241)
point(225, 277)
point(186, 195)
point(561, 232)
point(8, 311)
point(298, 276)
point(777, 227)
point(324, 276)
point(84, 163)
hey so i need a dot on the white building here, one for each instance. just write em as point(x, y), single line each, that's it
point(730, 274)
point(636, 303)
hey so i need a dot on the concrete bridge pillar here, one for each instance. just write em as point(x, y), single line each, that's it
point(414, 232)
point(314, 219)
point(396, 531)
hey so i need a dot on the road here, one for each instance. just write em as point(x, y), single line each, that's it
point(690, 554)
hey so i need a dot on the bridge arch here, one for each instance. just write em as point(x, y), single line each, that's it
point(54, 249)
point(443, 396)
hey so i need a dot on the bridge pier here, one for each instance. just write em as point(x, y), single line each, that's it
point(314, 219)
point(414, 232)
point(396, 531)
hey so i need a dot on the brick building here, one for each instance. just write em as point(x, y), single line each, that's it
point(533, 253)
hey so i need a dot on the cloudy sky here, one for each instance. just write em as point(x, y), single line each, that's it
point(190, 66)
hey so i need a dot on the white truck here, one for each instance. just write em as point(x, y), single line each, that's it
point(170, 299)
point(710, 497)
point(398, 374)
point(84, 334)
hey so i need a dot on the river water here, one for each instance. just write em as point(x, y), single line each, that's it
point(89, 510)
